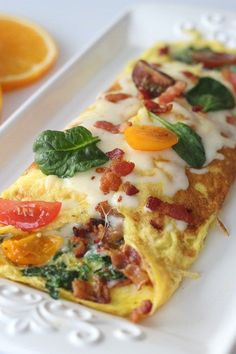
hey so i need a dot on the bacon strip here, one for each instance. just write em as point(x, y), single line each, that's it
point(96, 291)
point(110, 181)
point(108, 126)
point(156, 108)
point(115, 154)
point(142, 311)
point(175, 211)
point(117, 97)
point(172, 92)
point(231, 120)
point(129, 188)
point(122, 168)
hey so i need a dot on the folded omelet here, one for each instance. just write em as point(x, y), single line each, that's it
point(115, 209)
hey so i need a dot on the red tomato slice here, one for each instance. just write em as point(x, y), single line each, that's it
point(28, 215)
point(213, 59)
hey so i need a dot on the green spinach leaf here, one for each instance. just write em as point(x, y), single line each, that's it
point(65, 153)
point(189, 147)
point(211, 95)
point(58, 276)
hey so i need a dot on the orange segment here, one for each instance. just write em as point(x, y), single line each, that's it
point(149, 138)
point(26, 52)
point(31, 249)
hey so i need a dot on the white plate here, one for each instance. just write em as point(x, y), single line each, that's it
point(201, 316)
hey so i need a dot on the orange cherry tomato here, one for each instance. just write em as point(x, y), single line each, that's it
point(31, 249)
point(150, 138)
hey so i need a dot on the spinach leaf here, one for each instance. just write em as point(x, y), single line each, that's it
point(65, 153)
point(101, 265)
point(110, 274)
point(189, 146)
point(58, 276)
point(211, 95)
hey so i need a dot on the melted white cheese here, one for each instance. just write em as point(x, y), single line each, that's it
point(164, 167)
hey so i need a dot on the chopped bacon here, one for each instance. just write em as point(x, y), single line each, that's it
point(110, 181)
point(138, 276)
point(230, 76)
point(97, 291)
point(122, 168)
point(129, 188)
point(118, 259)
point(108, 126)
point(212, 59)
point(156, 108)
point(132, 255)
point(101, 291)
point(197, 108)
point(164, 50)
point(150, 81)
point(79, 231)
point(80, 249)
point(104, 208)
point(172, 92)
point(190, 75)
point(142, 311)
point(115, 154)
point(231, 120)
point(175, 211)
point(116, 97)
point(100, 169)
point(82, 289)
point(156, 224)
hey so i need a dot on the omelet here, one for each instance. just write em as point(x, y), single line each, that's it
point(114, 210)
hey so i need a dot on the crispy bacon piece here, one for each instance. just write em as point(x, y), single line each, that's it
point(138, 276)
point(156, 224)
point(110, 181)
point(175, 211)
point(118, 259)
point(80, 249)
point(230, 76)
point(103, 208)
point(115, 154)
point(231, 120)
point(129, 188)
point(156, 108)
point(100, 169)
point(150, 81)
point(142, 311)
point(164, 50)
point(172, 92)
point(190, 75)
point(131, 255)
point(211, 59)
point(82, 289)
point(96, 291)
point(197, 108)
point(116, 97)
point(79, 232)
point(108, 126)
point(101, 291)
point(122, 168)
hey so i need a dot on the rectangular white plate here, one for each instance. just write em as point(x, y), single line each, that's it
point(201, 316)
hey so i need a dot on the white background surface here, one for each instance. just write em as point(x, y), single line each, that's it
point(73, 23)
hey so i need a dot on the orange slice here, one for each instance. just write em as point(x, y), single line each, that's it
point(26, 52)
point(31, 249)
